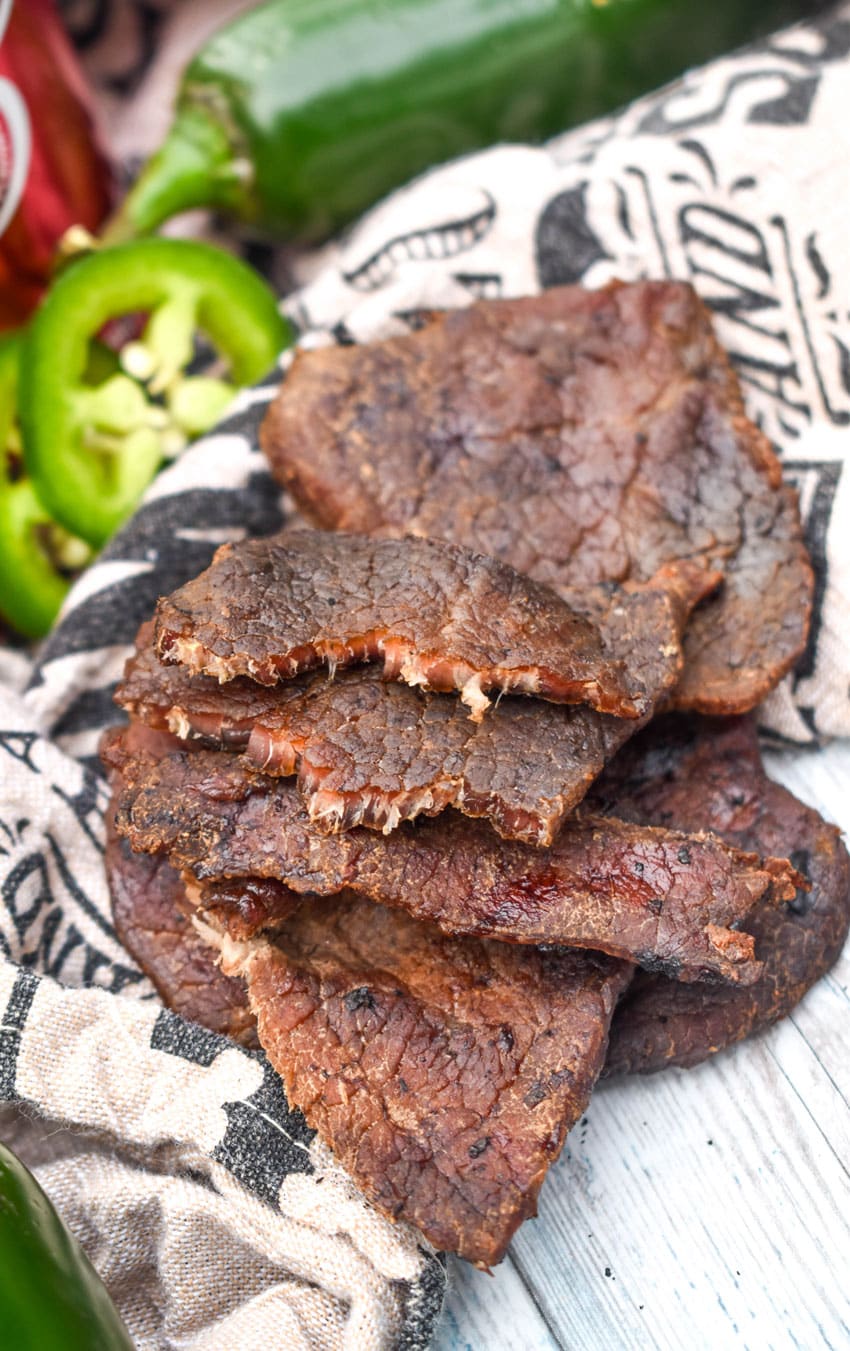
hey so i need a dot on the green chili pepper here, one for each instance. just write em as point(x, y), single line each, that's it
point(51, 1297)
point(302, 113)
point(37, 557)
point(93, 444)
point(10, 350)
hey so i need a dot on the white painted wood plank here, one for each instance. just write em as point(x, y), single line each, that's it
point(816, 1089)
point(823, 1019)
point(484, 1311)
point(744, 1241)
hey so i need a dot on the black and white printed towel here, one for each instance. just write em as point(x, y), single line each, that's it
point(217, 1218)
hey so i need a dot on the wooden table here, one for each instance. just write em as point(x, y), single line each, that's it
point(707, 1208)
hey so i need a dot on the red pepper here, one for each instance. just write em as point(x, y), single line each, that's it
point(53, 173)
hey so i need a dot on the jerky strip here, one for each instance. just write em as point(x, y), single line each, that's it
point(679, 773)
point(150, 911)
point(443, 1073)
point(371, 753)
point(578, 436)
point(434, 614)
point(660, 898)
point(453, 1070)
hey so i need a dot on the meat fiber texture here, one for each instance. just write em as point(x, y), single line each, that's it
point(433, 613)
point(664, 899)
point(443, 1073)
point(680, 772)
point(580, 436)
point(373, 753)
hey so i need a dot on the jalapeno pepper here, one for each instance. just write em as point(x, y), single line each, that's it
point(299, 115)
point(51, 1297)
point(92, 445)
point(37, 557)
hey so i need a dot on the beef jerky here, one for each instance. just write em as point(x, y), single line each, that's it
point(454, 1068)
point(151, 917)
point(371, 753)
point(432, 613)
point(443, 1073)
point(661, 898)
point(579, 436)
point(680, 773)
point(245, 906)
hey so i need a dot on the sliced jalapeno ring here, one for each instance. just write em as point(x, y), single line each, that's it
point(92, 448)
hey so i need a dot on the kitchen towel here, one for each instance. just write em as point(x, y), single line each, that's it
point(217, 1218)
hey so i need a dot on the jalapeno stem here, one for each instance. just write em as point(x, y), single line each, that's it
point(200, 164)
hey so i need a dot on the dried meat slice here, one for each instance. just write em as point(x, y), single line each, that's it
point(434, 614)
point(661, 898)
point(681, 772)
point(579, 436)
point(244, 906)
point(151, 915)
point(372, 753)
point(443, 1073)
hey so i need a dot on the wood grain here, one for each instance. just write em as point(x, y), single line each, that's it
point(702, 1208)
point(492, 1311)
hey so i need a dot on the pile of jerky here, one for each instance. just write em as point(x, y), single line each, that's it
point(450, 793)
